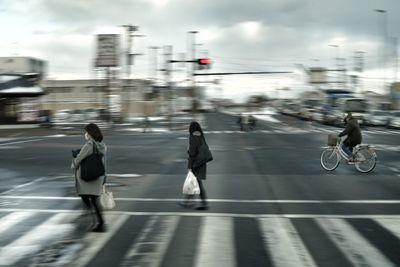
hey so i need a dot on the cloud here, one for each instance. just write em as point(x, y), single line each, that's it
point(252, 35)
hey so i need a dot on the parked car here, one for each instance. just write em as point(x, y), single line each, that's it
point(395, 120)
point(378, 118)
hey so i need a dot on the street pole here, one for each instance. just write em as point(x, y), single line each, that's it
point(384, 32)
point(167, 91)
point(194, 93)
point(337, 64)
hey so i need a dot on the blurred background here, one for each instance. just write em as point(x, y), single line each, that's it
point(268, 81)
point(108, 67)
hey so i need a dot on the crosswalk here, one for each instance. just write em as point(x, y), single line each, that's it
point(44, 238)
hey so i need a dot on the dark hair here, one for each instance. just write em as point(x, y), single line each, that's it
point(94, 131)
point(195, 127)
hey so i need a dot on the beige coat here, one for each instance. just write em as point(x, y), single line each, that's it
point(93, 187)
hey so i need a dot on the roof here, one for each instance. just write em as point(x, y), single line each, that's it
point(19, 85)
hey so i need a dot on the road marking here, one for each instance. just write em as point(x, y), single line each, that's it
point(284, 243)
point(356, 248)
point(124, 175)
point(34, 240)
point(158, 234)
point(391, 224)
point(23, 185)
point(201, 214)
point(11, 219)
point(249, 201)
point(95, 241)
point(20, 142)
point(216, 246)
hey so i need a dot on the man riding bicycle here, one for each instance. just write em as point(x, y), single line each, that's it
point(353, 132)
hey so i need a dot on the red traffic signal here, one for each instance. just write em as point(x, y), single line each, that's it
point(204, 61)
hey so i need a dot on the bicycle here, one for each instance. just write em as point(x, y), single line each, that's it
point(364, 157)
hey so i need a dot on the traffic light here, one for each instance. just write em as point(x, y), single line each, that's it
point(203, 63)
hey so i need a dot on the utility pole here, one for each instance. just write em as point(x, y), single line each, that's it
point(192, 76)
point(129, 57)
point(384, 37)
point(359, 67)
point(168, 89)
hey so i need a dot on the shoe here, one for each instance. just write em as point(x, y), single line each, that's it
point(186, 205)
point(202, 207)
point(99, 228)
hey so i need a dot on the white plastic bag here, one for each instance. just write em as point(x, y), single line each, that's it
point(191, 186)
point(106, 199)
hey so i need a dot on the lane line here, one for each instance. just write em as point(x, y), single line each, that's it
point(356, 248)
point(216, 214)
point(249, 201)
point(20, 142)
point(23, 185)
point(284, 243)
point(216, 247)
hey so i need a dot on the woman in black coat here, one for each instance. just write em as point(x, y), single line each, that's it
point(196, 139)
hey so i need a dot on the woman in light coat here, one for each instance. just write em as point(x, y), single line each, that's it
point(91, 190)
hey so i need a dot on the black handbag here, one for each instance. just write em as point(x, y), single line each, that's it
point(203, 156)
point(92, 166)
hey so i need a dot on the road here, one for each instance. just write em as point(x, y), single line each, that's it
point(271, 203)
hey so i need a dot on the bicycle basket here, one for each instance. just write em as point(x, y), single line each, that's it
point(332, 139)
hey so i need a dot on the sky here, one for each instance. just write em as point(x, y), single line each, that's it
point(239, 36)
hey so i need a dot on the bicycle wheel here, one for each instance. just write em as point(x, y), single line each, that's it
point(330, 159)
point(365, 160)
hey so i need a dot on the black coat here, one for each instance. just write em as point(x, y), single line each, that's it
point(353, 133)
point(194, 143)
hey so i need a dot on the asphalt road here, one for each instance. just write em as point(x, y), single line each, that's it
point(271, 203)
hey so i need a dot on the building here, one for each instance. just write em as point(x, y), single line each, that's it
point(19, 89)
point(22, 65)
point(128, 97)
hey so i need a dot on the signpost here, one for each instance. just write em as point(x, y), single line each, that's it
point(108, 57)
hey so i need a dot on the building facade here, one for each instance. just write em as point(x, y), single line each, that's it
point(129, 98)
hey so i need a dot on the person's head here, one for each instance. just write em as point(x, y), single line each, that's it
point(94, 132)
point(347, 116)
point(195, 127)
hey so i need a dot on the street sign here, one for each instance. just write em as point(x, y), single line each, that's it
point(107, 50)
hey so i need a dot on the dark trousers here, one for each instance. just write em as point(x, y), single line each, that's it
point(91, 201)
point(203, 194)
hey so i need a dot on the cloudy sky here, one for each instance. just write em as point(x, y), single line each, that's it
point(248, 35)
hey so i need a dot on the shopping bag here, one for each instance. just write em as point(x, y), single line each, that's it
point(191, 186)
point(106, 199)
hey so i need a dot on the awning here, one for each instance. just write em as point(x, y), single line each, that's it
point(19, 85)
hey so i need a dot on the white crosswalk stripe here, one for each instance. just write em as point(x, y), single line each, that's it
point(357, 249)
point(52, 229)
point(216, 244)
point(284, 244)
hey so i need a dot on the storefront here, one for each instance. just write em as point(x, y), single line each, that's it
point(19, 98)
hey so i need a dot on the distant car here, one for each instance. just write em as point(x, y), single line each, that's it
point(91, 114)
point(395, 120)
point(378, 118)
point(62, 115)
